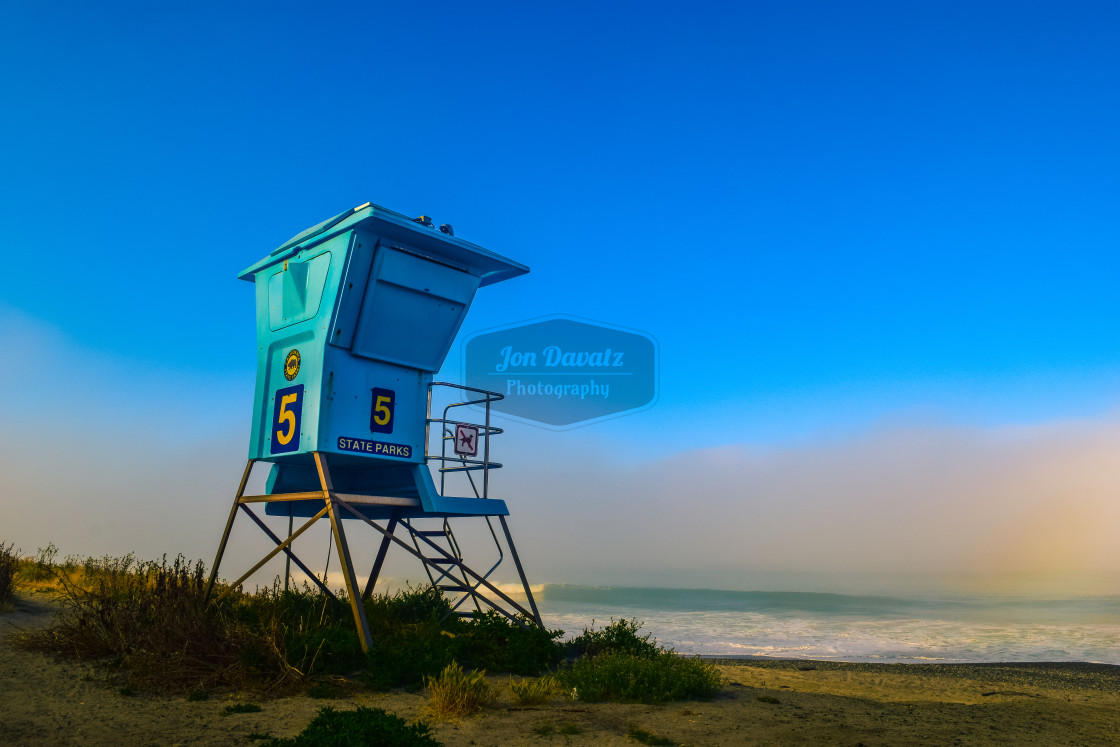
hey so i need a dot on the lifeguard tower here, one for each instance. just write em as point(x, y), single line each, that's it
point(354, 316)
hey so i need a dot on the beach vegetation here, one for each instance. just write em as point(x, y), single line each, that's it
point(241, 708)
point(547, 729)
point(534, 691)
point(9, 563)
point(324, 690)
point(494, 642)
point(457, 693)
point(359, 727)
point(144, 618)
point(620, 637)
point(619, 664)
point(644, 737)
point(149, 620)
point(628, 678)
point(415, 635)
point(410, 639)
point(43, 567)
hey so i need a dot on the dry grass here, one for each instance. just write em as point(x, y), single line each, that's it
point(148, 616)
point(534, 691)
point(456, 693)
point(149, 620)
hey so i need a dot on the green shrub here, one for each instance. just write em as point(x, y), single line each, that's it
point(493, 642)
point(407, 606)
point(620, 665)
point(458, 693)
point(415, 635)
point(403, 656)
point(645, 737)
point(323, 690)
point(630, 678)
point(318, 632)
point(620, 637)
point(547, 729)
point(364, 726)
point(241, 708)
point(9, 562)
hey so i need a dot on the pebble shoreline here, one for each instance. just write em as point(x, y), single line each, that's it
point(1046, 675)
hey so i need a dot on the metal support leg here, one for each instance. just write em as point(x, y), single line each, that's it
point(521, 572)
point(229, 526)
point(276, 551)
point(287, 549)
point(381, 552)
point(343, 552)
point(288, 560)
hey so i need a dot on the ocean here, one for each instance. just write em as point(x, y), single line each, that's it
point(940, 627)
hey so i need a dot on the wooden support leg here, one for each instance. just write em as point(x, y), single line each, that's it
point(343, 552)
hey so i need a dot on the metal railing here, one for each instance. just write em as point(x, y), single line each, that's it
point(449, 464)
point(444, 573)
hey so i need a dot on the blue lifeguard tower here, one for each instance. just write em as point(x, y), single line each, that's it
point(354, 317)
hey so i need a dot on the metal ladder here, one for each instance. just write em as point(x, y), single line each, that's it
point(438, 548)
point(444, 566)
point(445, 571)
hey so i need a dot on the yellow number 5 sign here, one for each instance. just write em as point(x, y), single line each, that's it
point(384, 407)
point(286, 418)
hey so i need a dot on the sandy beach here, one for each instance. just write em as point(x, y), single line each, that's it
point(48, 701)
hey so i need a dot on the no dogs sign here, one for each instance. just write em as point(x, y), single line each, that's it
point(466, 440)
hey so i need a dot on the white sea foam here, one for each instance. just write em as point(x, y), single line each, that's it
point(851, 629)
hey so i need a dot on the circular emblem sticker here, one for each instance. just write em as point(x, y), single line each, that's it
point(291, 365)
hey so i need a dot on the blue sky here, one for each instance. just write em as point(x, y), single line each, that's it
point(840, 221)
